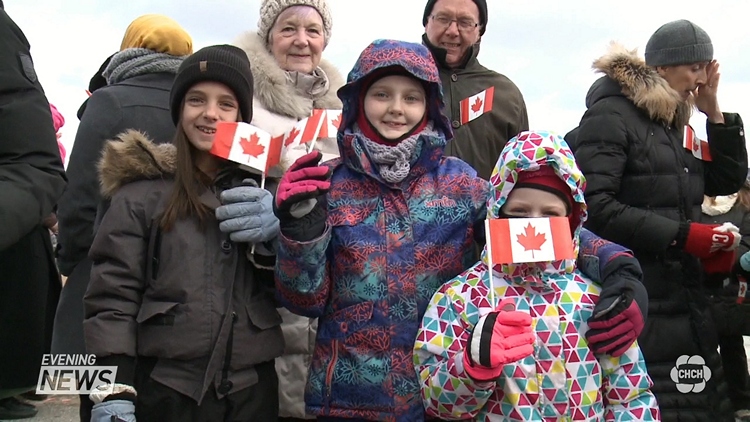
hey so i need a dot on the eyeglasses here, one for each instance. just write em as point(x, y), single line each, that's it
point(463, 24)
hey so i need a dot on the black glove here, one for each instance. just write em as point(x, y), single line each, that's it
point(620, 314)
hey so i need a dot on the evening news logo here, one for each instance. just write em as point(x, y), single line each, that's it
point(690, 374)
point(73, 374)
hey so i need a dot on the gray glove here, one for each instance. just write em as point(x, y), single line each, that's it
point(114, 410)
point(247, 214)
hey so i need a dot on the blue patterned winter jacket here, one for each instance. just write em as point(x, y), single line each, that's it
point(386, 251)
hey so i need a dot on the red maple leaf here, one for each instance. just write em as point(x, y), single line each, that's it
point(337, 121)
point(696, 144)
point(530, 240)
point(477, 105)
point(290, 138)
point(251, 146)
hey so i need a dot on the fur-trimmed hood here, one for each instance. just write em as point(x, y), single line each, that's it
point(641, 84)
point(271, 87)
point(131, 157)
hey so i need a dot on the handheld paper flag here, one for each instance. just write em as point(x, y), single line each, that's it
point(697, 146)
point(331, 124)
point(519, 240)
point(305, 131)
point(476, 105)
point(246, 144)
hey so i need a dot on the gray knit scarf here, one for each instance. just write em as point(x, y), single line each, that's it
point(139, 61)
point(393, 161)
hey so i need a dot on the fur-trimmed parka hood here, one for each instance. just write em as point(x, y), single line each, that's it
point(628, 75)
point(271, 87)
point(131, 157)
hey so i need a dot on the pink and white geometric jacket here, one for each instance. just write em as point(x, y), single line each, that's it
point(562, 380)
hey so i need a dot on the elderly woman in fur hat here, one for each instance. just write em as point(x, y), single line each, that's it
point(647, 175)
point(292, 79)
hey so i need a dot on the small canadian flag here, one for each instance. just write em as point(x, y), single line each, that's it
point(694, 144)
point(519, 240)
point(305, 131)
point(330, 124)
point(247, 145)
point(476, 105)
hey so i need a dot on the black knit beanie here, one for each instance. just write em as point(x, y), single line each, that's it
point(481, 4)
point(220, 63)
point(679, 42)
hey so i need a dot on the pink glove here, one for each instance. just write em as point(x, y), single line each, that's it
point(614, 335)
point(503, 336)
point(305, 180)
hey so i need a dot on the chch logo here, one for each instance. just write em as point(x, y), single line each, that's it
point(690, 374)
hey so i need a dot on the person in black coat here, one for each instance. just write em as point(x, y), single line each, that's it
point(97, 81)
point(31, 181)
point(729, 305)
point(645, 191)
point(139, 78)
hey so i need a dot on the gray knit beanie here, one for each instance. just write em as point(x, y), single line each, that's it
point(271, 9)
point(679, 42)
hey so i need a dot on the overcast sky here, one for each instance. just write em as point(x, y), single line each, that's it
point(545, 46)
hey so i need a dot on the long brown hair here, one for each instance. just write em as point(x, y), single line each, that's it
point(743, 196)
point(189, 182)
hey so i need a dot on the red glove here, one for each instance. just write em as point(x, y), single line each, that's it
point(721, 262)
point(500, 337)
point(703, 240)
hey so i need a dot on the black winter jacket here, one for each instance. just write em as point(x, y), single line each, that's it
point(642, 187)
point(140, 103)
point(31, 181)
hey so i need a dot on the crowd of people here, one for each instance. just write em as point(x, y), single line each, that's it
point(356, 280)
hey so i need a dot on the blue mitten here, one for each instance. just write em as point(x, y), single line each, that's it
point(108, 411)
point(247, 214)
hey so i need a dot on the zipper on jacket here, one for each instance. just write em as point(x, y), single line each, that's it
point(225, 386)
point(329, 374)
point(155, 255)
point(683, 200)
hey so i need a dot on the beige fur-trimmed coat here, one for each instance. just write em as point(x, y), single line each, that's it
point(277, 106)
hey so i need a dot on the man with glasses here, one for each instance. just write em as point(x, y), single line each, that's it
point(486, 109)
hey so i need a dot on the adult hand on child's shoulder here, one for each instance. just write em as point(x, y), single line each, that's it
point(617, 320)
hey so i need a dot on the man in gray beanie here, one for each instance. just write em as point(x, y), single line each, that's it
point(453, 30)
point(647, 174)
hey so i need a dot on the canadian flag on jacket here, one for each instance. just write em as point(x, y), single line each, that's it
point(694, 144)
point(305, 131)
point(331, 124)
point(476, 105)
point(519, 240)
point(247, 145)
